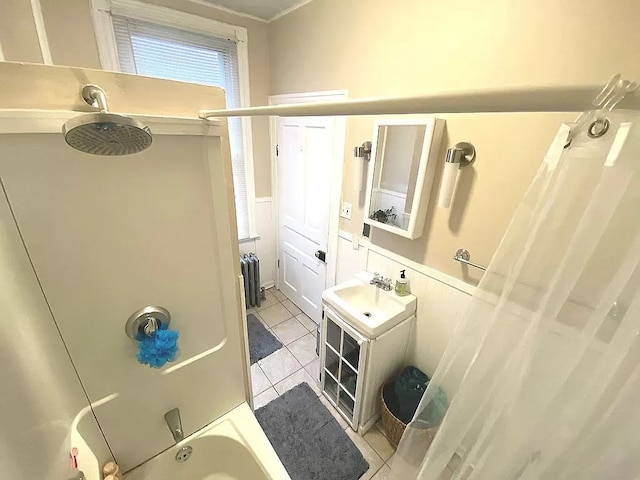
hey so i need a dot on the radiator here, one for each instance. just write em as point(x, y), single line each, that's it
point(250, 268)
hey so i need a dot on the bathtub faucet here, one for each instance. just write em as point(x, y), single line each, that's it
point(174, 422)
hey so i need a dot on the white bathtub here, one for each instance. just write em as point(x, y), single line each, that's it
point(234, 447)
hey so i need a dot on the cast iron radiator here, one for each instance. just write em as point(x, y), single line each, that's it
point(250, 268)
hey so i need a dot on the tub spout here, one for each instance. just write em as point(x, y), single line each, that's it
point(174, 422)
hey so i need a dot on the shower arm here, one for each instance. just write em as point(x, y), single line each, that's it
point(96, 97)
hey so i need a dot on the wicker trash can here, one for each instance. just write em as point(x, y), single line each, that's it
point(394, 427)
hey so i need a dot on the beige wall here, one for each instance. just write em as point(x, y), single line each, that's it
point(18, 35)
point(70, 33)
point(72, 42)
point(415, 46)
point(411, 47)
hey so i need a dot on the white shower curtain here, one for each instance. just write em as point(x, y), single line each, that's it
point(543, 371)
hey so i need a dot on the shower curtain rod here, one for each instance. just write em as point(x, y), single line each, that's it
point(523, 99)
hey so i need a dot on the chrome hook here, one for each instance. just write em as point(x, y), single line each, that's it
point(147, 321)
point(151, 327)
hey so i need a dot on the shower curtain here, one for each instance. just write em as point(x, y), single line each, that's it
point(543, 370)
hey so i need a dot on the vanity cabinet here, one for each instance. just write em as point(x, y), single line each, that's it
point(354, 366)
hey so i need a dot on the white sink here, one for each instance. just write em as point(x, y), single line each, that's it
point(368, 308)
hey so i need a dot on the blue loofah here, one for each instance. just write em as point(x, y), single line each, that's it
point(158, 349)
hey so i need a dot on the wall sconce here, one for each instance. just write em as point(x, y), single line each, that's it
point(460, 156)
point(361, 152)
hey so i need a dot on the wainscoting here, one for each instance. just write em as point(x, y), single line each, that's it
point(441, 299)
point(265, 244)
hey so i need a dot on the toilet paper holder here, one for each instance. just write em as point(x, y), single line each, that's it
point(147, 321)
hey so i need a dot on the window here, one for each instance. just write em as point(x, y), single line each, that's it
point(160, 42)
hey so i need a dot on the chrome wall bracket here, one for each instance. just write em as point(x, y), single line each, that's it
point(463, 256)
point(147, 321)
point(363, 151)
point(467, 153)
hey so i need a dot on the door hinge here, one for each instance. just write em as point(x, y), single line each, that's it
point(277, 150)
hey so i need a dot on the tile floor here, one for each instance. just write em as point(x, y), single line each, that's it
point(297, 362)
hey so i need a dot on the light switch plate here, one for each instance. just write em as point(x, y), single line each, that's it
point(345, 210)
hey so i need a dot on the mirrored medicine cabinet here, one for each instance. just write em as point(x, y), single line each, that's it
point(401, 174)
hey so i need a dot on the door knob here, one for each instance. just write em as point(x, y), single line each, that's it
point(322, 256)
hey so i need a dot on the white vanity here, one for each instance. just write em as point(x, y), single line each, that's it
point(364, 336)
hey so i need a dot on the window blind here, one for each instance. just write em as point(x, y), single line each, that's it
point(160, 51)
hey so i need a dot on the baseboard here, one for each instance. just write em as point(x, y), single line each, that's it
point(369, 424)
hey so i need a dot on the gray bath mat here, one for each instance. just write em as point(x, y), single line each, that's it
point(262, 342)
point(309, 441)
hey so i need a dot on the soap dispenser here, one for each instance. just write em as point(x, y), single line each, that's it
point(402, 285)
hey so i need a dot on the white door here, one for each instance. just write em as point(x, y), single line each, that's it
point(305, 150)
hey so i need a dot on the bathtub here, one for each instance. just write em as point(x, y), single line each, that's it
point(234, 447)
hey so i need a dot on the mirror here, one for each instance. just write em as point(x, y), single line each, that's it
point(403, 161)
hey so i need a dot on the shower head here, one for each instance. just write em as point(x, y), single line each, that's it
point(104, 133)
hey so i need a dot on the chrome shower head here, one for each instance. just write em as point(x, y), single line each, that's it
point(104, 133)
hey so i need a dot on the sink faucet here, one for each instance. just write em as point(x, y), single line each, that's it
point(174, 422)
point(380, 282)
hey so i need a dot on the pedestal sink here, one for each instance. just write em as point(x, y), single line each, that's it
point(370, 309)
